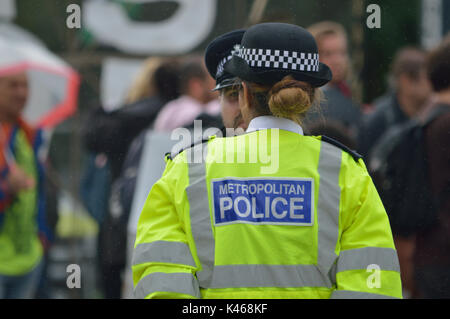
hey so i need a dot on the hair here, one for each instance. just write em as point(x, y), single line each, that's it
point(438, 66)
point(288, 98)
point(191, 69)
point(158, 77)
point(409, 61)
point(166, 80)
point(323, 29)
point(143, 86)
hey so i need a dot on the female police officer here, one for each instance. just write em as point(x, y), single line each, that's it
point(270, 213)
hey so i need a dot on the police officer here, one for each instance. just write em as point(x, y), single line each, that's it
point(270, 213)
point(217, 54)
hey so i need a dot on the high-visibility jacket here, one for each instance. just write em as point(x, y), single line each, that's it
point(233, 223)
point(24, 233)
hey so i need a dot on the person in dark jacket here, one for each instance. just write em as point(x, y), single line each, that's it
point(338, 105)
point(410, 92)
point(432, 251)
point(107, 137)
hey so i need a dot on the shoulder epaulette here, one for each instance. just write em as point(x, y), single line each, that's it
point(171, 156)
point(356, 156)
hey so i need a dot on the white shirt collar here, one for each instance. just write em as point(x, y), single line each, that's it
point(268, 122)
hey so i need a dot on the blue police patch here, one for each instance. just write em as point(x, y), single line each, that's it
point(276, 201)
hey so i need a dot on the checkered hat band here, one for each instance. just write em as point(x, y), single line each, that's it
point(278, 59)
point(220, 68)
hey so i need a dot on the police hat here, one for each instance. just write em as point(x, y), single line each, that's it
point(271, 51)
point(218, 53)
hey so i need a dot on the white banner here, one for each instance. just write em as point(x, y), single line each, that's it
point(117, 77)
point(431, 23)
point(178, 34)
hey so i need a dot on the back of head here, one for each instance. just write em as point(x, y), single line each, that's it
point(438, 66)
point(143, 86)
point(279, 65)
point(192, 68)
point(288, 98)
point(166, 80)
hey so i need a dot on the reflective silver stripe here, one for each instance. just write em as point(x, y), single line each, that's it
point(239, 276)
point(328, 206)
point(163, 252)
point(385, 258)
point(197, 194)
point(183, 283)
point(347, 294)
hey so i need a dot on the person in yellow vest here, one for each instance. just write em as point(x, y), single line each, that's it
point(270, 213)
point(24, 233)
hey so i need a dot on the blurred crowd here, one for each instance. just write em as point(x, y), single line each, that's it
point(174, 92)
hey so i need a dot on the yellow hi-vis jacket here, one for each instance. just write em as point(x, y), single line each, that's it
point(233, 223)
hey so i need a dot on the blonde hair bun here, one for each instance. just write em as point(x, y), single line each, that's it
point(289, 98)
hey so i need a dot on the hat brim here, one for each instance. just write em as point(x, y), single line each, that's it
point(224, 84)
point(240, 68)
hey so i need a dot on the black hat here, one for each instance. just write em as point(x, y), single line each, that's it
point(271, 51)
point(218, 53)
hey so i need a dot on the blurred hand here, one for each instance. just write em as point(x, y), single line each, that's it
point(18, 180)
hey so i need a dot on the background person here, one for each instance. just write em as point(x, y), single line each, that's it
point(107, 136)
point(24, 235)
point(196, 98)
point(432, 251)
point(338, 104)
point(410, 94)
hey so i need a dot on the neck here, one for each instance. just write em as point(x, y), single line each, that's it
point(443, 97)
point(408, 105)
point(197, 96)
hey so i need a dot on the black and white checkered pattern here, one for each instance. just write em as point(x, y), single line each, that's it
point(221, 64)
point(267, 58)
